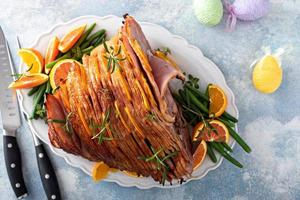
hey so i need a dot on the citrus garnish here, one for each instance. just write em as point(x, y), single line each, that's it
point(60, 71)
point(69, 40)
point(213, 131)
point(51, 52)
point(199, 155)
point(267, 74)
point(33, 59)
point(131, 174)
point(100, 171)
point(218, 101)
point(29, 81)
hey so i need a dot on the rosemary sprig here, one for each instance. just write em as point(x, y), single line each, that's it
point(65, 122)
point(59, 121)
point(18, 75)
point(103, 128)
point(112, 58)
point(160, 162)
point(207, 126)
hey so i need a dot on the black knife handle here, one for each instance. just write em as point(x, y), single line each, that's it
point(47, 173)
point(13, 164)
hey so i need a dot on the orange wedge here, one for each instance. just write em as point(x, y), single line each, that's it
point(131, 174)
point(100, 171)
point(51, 52)
point(33, 59)
point(199, 155)
point(29, 81)
point(218, 101)
point(60, 71)
point(166, 58)
point(217, 132)
point(69, 40)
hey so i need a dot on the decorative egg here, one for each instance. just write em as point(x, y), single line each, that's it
point(208, 12)
point(250, 10)
point(267, 74)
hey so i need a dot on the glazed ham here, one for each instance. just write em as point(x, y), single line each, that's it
point(123, 113)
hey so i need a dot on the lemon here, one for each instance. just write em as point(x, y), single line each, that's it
point(267, 74)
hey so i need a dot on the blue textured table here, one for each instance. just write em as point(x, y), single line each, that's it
point(270, 123)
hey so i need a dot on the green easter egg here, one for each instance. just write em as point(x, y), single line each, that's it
point(208, 12)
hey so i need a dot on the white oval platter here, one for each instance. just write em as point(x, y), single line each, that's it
point(188, 57)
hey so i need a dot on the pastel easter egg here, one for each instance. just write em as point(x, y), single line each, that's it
point(267, 74)
point(208, 12)
point(250, 10)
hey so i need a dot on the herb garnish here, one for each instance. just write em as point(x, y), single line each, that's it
point(66, 122)
point(40, 111)
point(18, 76)
point(112, 58)
point(164, 50)
point(207, 126)
point(193, 81)
point(160, 162)
point(151, 116)
point(102, 127)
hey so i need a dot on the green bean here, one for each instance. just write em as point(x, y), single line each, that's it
point(48, 88)
point(226, 121)
point(85, 35)
point(239, 140)
point(178, 98)
point(65, 56)
point(91, 38)
point(226, 146)
point(33, 90)
point(99, 40)
point(39, 96)
point(211, 153)
point(196, 102)
point(206, 103)
point(226, 155)
point(87, 50)
point(197, 93)
point(236, 136)
point(230, 117)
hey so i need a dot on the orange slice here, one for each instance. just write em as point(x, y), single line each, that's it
point(218, 101)
point(166, 58)
point(33, 59)
point(131, 174)
point(51, 52)
point(199, 155)
point(69, 40)
point(29, 81)
point(60, 71)
point(217, 132)
point(100, 171)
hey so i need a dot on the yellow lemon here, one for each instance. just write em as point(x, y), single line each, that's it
point(267, 74)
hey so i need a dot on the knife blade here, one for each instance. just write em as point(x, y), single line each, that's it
point(11, 122)
point(46, 170)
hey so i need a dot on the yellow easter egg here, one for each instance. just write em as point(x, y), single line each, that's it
point(267, 74)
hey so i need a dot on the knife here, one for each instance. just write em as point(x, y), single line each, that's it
point(47, 173)
point(11, 122)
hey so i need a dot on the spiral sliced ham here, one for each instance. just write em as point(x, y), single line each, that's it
point(135, 100)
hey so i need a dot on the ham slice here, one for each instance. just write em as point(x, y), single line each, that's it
point(158, 71)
